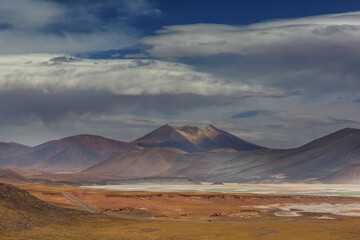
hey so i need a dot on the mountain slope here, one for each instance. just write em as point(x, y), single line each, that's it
point(8, 175)
point(20, 210)
point(315, 160)
point(11, 148)
point(67, 154)
point(193, 139)
point(166, 136)
point(347, 175)
point(134, 164)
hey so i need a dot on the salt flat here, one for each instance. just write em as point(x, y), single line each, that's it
point(347, 190)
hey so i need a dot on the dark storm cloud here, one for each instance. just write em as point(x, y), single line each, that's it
point(246, 114)
point(22, 107)
point(64, 59)
point(308, 119)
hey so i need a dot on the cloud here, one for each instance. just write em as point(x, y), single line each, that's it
point(309, 119)
point(136, 55)
point(210, 39)
point(50, 86)
point(204, 73)
point(29, 14)
point(52, 74)
point(316, 56)
point(246, 114)
point(40, 26)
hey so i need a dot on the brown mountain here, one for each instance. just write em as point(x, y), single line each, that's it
point(11, 147)
point(67, 154)
point(140, 163)
point(317, 159)
point(332, 155)
point(193, 139)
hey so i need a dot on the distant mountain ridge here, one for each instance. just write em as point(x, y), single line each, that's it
point(82, 151)
point(336, 155)
point(207, 154)
point(193, 139)
point(11, 147)
point(66, 154)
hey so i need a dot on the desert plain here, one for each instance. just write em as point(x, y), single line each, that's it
point(259, 211)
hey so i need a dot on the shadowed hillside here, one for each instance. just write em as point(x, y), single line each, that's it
point(317, 159)
point(19, 210)
point(134, 164)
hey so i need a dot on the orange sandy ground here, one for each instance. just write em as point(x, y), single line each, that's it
point(234, 216)
point(178, 205)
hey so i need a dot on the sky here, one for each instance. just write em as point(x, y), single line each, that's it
point(275, 73)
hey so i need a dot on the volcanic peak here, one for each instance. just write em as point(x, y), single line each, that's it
point(195, 134)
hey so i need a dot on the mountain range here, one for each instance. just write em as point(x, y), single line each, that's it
point(67, 154)
point(207, 154)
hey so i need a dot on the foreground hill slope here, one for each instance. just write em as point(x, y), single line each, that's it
point(19, 210)
point(67, 154)
point(193, 139)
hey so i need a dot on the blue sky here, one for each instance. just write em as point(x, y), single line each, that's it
point(232, 12)
point(277, 73)
point(238, 12)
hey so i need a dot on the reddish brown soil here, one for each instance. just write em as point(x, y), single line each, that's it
point(188, 205)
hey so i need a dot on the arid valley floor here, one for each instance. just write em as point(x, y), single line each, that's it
point(119, 214)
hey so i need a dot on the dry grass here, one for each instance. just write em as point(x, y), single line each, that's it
point(100, 227)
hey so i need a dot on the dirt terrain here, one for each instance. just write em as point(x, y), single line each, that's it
point(100, 214)
point(194, 205)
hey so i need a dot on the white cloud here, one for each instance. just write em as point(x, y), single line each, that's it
point(209, 39)
point(29, 14)
point(30, 42)
point(119, 77)
point(42, 26)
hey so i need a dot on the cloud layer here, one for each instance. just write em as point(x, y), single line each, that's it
point(210, 39)
point(34, 26)
point(310, 55)
point(53, 74)
point(51, 86)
